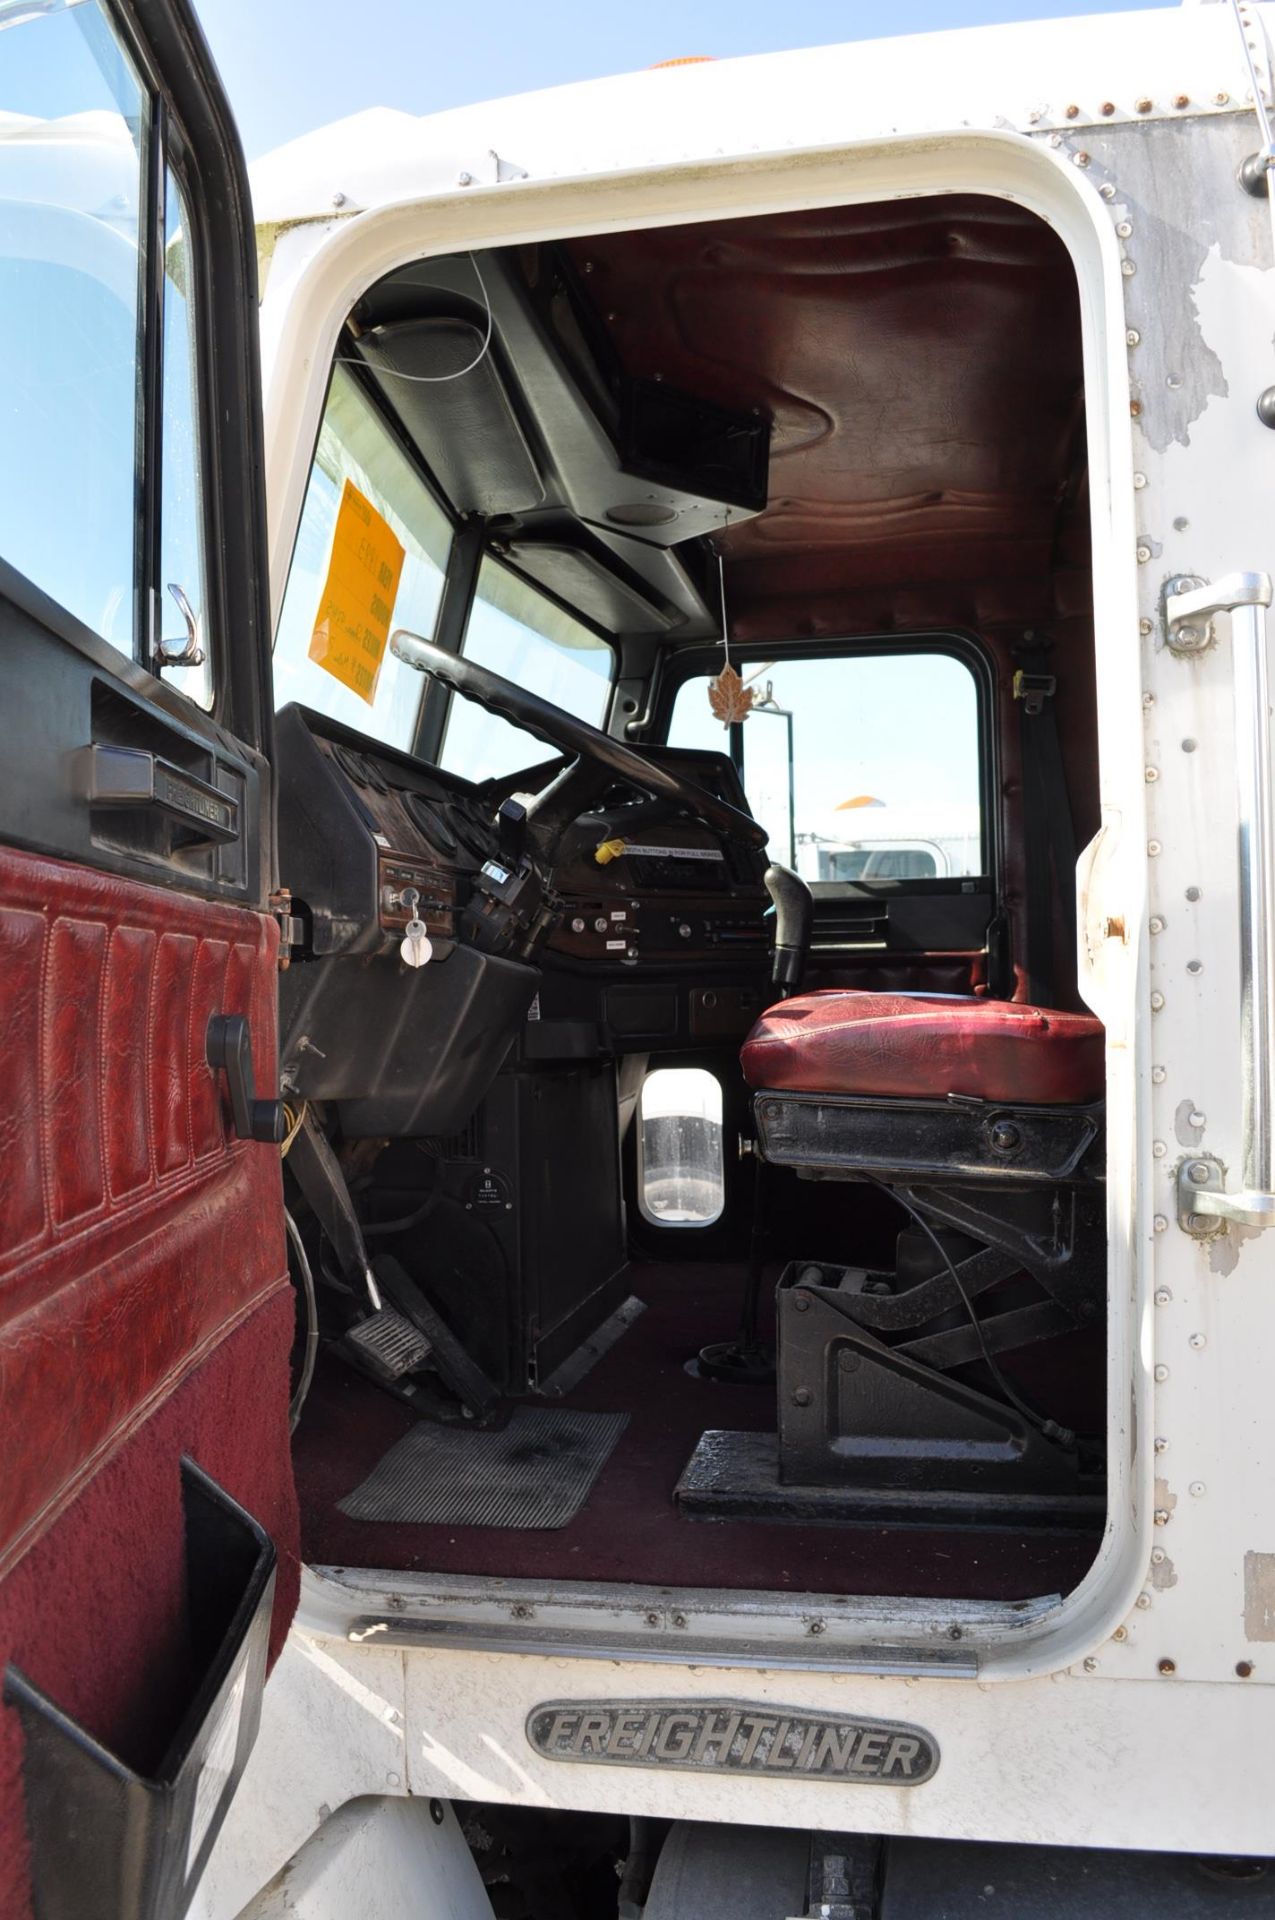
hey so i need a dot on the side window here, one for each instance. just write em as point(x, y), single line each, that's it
point(860, 766)
point(100, 499)
point(517, 632)
point(74, 131)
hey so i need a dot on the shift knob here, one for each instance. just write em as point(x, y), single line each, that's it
point(794, 916)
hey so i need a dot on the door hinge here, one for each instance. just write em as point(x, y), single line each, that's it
point(290, 930)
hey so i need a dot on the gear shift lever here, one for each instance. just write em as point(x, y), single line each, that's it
point(794, 908)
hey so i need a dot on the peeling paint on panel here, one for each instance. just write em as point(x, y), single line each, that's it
point(1259, 1596)
point(1224, 1254)
point(1164, 1500)
point(1193, 175)
point(1187, 1135)
point(1163, 1574)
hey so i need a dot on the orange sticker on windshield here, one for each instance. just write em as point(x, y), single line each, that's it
point(352, 626)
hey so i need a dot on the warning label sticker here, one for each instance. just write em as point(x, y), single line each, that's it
point(352, 625)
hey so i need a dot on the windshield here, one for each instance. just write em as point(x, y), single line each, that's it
point(371, 554)
point(515, 631)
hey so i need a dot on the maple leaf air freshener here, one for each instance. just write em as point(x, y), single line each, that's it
point(729, 698)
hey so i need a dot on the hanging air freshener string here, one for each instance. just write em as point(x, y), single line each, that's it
point(730, 700)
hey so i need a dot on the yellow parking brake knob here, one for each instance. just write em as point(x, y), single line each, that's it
point(609, 850)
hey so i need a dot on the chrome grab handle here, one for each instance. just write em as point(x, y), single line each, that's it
point(1202, 1200)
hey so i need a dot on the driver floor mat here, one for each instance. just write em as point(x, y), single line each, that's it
point(535, 1473)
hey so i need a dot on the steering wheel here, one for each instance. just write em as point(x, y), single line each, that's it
point(584, 743)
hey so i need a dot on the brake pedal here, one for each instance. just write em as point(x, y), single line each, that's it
point(389, 1345)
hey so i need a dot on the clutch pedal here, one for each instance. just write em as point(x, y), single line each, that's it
point(388, 1344)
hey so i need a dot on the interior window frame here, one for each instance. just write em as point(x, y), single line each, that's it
point(169, 154)
point(172, 160)
point(701, 659)
point(206, 157)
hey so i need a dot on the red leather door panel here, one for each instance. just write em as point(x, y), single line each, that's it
point(145, 1308)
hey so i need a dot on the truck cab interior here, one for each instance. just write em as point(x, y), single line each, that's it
point(694, 1151)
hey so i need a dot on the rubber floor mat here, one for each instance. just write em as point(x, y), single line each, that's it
point(535, 1474)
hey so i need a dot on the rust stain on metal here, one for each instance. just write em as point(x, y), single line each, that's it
point(1259, 1596)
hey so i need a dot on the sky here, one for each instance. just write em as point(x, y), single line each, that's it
point(291, 65)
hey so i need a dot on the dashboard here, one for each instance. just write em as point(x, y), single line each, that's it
point(360, 824)
point(645, 887)
point(651, 928)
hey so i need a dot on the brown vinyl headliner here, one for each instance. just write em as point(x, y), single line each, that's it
point(920, 362)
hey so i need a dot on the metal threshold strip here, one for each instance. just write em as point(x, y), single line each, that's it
point(701, 1626)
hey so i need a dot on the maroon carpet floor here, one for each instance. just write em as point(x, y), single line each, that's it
point(629, 1529)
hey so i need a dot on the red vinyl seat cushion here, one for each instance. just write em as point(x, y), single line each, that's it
point(922, 1047)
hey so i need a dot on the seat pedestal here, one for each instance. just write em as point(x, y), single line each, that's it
point(854, 1411)
point(878, 1433)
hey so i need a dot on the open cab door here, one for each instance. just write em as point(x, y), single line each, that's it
point(148, 1549)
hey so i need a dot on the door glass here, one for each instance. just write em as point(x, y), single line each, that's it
point(861, 766)
point(73, 124)
point(181, 509)
point(357, 451)
point(517, 632)
point(681, 1181)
